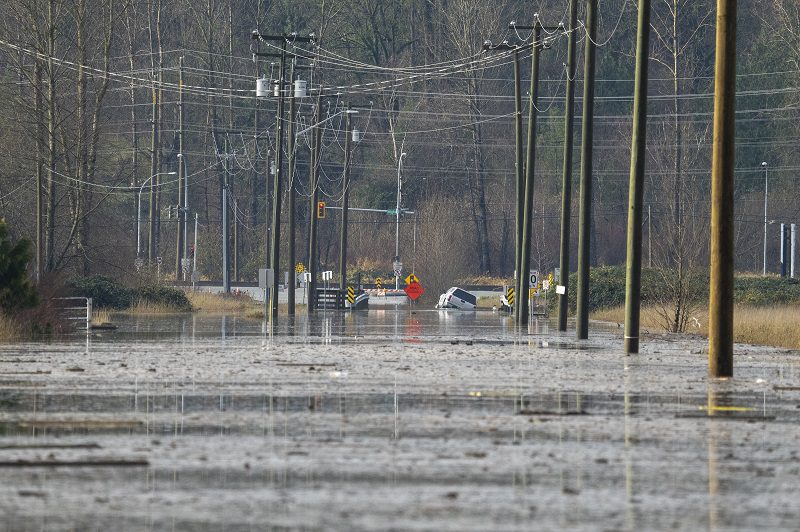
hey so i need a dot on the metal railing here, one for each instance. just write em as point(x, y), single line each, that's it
point(77, 313)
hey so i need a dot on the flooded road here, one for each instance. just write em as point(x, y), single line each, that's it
point(392, 419)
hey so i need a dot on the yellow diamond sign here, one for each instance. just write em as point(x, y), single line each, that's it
point(412, 279)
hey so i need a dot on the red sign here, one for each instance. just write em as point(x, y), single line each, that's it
point(414, 290)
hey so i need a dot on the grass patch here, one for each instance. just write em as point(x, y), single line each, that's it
point(144, 306)
point(9, 328)
point(224, 303)
point(100, 317)
point(777, 326)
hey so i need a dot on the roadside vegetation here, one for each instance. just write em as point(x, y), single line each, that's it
point(108, 294)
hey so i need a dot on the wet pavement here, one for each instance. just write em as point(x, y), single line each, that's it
point(392, 419)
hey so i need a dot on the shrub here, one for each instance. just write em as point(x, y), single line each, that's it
point(105, 292)
point(164, 296)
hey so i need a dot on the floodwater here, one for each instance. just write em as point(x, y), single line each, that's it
point(392, 419)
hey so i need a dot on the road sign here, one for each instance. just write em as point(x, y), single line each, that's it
point(327, 275)
point(351, 294)
point(412, 278)
point(397, 266)
point(378, 282)
point(139, 262)
point(299, 267)
point(185, 264)
point(158, 260)
point(414, 290)
point(510, 295)
point(546, 285)
point(534, 279)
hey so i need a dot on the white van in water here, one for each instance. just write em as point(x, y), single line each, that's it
point(457, 298)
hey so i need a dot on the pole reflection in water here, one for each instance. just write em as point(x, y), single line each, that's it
point(630, 513)
point(713, 472)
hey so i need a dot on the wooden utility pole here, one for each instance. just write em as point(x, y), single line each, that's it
point(633, 277)
point(179, 245)
point(720, 309)
point(345, 202)
point(566, 173)
point(274, 261)
point(275, 245)
point(290, 145)
point(587, 139)
point(520, 167)
point(312, 220)
point(521, 299)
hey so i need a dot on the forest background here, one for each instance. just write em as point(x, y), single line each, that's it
point(91, 91)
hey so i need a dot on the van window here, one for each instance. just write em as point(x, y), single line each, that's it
point(466, 296)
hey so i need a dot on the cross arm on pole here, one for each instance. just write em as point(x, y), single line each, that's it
point(290, 37)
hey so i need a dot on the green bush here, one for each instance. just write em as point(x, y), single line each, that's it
point(163, 295)
point(105, 293)
point(762, 291)
point(607, 288)
point(16, 288)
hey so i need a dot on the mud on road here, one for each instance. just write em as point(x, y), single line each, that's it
point(393, 420)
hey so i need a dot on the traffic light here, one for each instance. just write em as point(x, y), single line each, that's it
point(320, 209)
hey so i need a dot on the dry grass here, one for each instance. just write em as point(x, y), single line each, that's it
point(99, 317)
point(257, 312)
point(146, 307)
point(773, 326)
point(9, 328)
point(777, 326)
point(212, 302)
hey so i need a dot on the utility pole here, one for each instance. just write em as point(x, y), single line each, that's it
point(345, 202)
point(236, 240)
point(292, 193)
point(587, 139)
point(720, 308)
point(180, 242)
point(275, 245)
point(520, 184)
point(521, 303)
point(316, 163)
point(153, 212)
point(765, 166)
point(523, 245)
point(274, 261)
point(520, 158)
point(566, 174)
point(226, 256)
point(633, 274)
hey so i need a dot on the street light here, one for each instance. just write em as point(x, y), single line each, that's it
point(397, 220)
point(766, 191)
point(139, 212)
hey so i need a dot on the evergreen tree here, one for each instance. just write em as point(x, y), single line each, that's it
point(16, 288)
